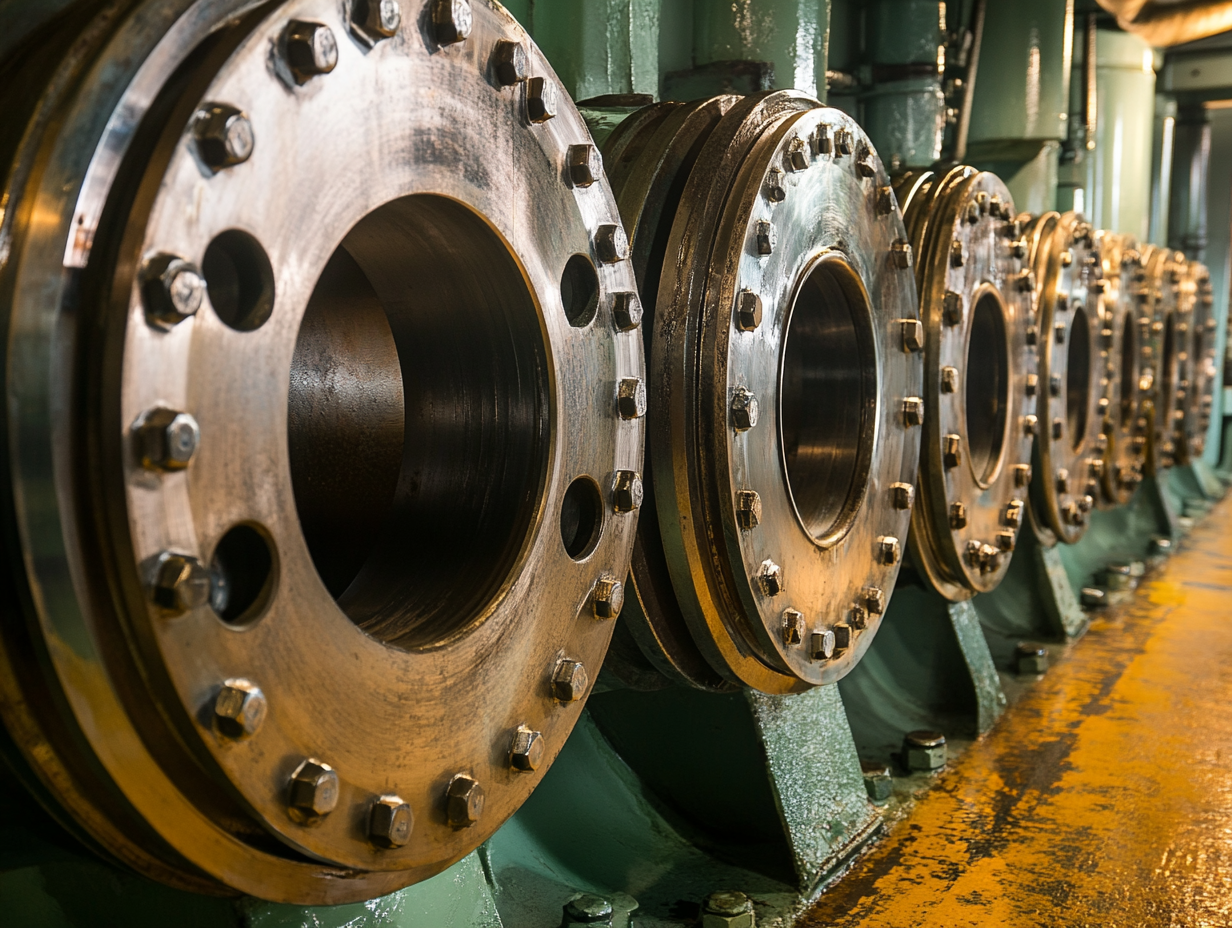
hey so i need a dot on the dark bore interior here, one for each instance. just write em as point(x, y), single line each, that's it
point(1129, 371)
point(418, 420)
point(1167, 379)
point(988, 386)
point(1078, 378)
point(828, 398)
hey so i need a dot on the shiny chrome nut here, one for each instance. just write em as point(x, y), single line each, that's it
point(793, 627)
point(748, 311)
point(924, 750)
point(952, 451)
point(390, 821)
point(181, 583)
point(166, 439)
point(587, 909)
point(821, 645)
point(585, 164)
point(239, 708)
point(878, 782)
point(611, 243)
point(223, 135)
point(627, 493)
point(745, 410)
point(900, 251)
point(452, 21)
point(913, 411)
point(770, 577)
point(748, 508)
point(1030, 658)
point(540, 99)
point(464, 801)
point(374, 20)
point(727, 910)
point(527, 750)
point(902, 494)
point(311, 49)
point(313, 791)
point(171, 290)
point(570, 681)
point(510, 62)
point(608, 598)
point(626, 311)
point(913, 335)
point(631, 398)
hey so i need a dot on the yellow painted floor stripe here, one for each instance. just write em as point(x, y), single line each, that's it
point(1102, 799)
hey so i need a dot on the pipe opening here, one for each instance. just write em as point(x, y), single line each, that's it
point(1129, 371)
point(1078, 378)
point(988, 386)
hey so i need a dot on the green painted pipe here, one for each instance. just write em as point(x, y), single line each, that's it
point(788, 35)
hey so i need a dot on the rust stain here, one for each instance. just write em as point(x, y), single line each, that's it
point(1102, 799)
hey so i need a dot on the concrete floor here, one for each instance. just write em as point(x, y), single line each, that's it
point(1103, 798)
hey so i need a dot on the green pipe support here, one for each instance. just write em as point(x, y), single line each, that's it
point(1191, 160)
point(1162, 144)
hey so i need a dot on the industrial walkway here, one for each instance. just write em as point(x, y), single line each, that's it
point(1102, 799)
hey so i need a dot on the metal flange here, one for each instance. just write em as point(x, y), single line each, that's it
point(1196, 293)
point(325, 507)
point(980, 379)
point(1069, 445)
point(1160, 302)
point(1121, 378)
point(786, 370)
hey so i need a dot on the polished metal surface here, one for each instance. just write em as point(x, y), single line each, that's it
point(1162, 307)
point(1202, 370)
point(980, 381)
point(316, 530)
point(785, 369)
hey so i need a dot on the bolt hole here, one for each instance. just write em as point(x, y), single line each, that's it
point(243, 571)
point(240, 280)
point(581, 518)
point(579, 291)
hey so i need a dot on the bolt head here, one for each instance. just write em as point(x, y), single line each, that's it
point(511, 63)
point(797, 155)
point(452, 21)
point(608, 598)
point(631, 398)
point(775, 192)
point(748, 508)
point(1013, 513)
point(1062, 480)
point(949, 380)
point(239, 708)
point(166, 439)
point(390, 822)
point(727, 909)
point(1030, 424)
point(626, 311)
point(924, 750)
point(857, 617)
point(958, 515)
point(376, 19)
point(874, 600)
point(888, 549)
point(748, 311)
point(821, 645)
point(900, 251)
point(877, 781)
point(745, 410)
point(627, 493)
point(311, 49)
point(223, 135)
point(865, 167)
point(527, 750)
point(1006, 541)
point(902, 495)
point(181, 583)
point(952, 308)
point(793, 628)
point(1030, 658)
point(765, 237)
point(1093, 597)
point(585, 164)
point(313, 791)
point(957, 259)
point(587, 909)
point(1022, 475)
point(172, 289)
point(464, 801)
point(611, 243)
point(570, 681)
point(770, 578)
point(540, 99)
point(951, 450)
point(1059, 333)
point(913, 411)
point(913, 335)
point(844, 141)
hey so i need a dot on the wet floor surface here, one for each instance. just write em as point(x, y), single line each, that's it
point(1103, 798)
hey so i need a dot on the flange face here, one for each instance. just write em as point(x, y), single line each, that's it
point(1161, 286)
point(1121, 355)
point(1069, 446)
point(980, 379)
point(1196, 293)
point(780, 455)
point(369, 447)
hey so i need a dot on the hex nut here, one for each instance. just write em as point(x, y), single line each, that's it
point(1013, 513)
point(843, 141)
point(390, 822)
point(874, 600)
point(1062, 480)
point(775, 191)
point(745, 410)
point(627, 493)
point(223, 135)
point(821, 645)
point(311, 49)
point(1022, 475)
point(793, 628)
point(878, 782)
point(239, 708)
point(888, 549)
point(949, 379)
point(1118, 578)
point(527, 750)
point(900, 251)
point(857, 617)
point(1032, 335)
point(952, 308)
point(626, 311)
point(587, 909)
point(902, 495)
point(765, 237)
point(797, 155)
point(865, 167)
point(1093, 597)
point(1006, 540)
point(1030, 658)
point(464, 801)
point(570, 681)
point(166, 439)
point(958, 515)
point(1161, 545)
point(913, 411)
point(1030, 424)
point(452, 21)
point(957, 258)
point(748, 311)
point(770, 578)
point(1032, 386)
point(585, 164)
point(924, 750)
point(540, 99)
point(510, 61)
point(313, 791)
point(376, 19)
point(823, 144)
point(913, 335)
point(727, 910)
point(1058, 333)
point(181, 583)
point(631, 398)
point(989, 559)
point(1058, 428)
point(608, 598)
point(748, 508)
point(172, 289)
point(843, 638)
point(611, 243)
point(951, 450)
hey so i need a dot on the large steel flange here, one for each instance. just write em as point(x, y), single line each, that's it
point(785, 366)
point(980, 378)
point(1069, 446)
point(326, 449)
point(1163, 311)
point(1121, 378)
point(1197, 296)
